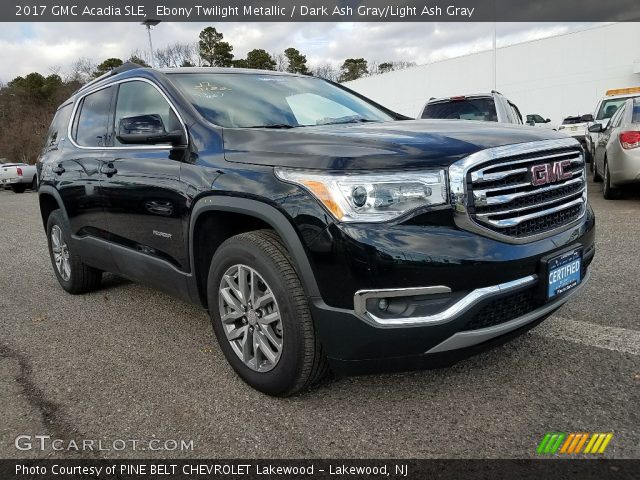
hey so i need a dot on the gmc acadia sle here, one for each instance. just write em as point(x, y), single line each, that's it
point(318, 228)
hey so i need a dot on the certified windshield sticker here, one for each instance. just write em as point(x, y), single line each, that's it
point(210, 87)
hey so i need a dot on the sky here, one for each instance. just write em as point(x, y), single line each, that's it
point(53, 47)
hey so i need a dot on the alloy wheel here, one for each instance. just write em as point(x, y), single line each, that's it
point(250, 317)
point(60, 253)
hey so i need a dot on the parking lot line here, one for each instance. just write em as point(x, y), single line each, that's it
point(590, 334)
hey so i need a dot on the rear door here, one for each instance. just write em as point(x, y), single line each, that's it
point(74, 169)
point(145, 204)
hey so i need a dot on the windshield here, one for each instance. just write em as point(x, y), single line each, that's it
point(609, 107)
point(276, 101)
point(466, 109)
point(636, 111)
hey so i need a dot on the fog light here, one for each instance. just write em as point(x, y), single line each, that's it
point(383, 304)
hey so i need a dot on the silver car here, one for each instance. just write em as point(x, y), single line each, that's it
point(617, 152)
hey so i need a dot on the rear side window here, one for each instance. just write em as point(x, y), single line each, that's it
point(635, 117)
point(515, 113)
point(58, 129)
point(483, 109)
point(90, 127)
point(572, 120)
point(617, 118)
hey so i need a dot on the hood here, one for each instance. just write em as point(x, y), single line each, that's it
point(392, 145)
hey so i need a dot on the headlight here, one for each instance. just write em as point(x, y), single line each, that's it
point(371, 197)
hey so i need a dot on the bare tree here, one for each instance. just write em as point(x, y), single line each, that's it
point(176, 55)
point(281, 62)
point(326, 71)
point(81, 70)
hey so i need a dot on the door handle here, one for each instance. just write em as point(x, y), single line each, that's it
point(59, 169)
point(108, 169)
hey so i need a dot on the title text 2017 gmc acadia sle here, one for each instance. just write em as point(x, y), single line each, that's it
point(320, 230)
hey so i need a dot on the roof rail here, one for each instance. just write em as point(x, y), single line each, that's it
point(122, 68)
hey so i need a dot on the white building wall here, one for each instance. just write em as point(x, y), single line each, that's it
point(554, 77)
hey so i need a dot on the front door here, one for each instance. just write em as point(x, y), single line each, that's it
point(145, 205)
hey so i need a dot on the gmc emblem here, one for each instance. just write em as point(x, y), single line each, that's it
point(550, 172)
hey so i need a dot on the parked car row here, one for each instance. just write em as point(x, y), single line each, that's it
point(610, 140)
point(616, 158)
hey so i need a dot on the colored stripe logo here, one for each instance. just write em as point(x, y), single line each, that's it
point(574, 443)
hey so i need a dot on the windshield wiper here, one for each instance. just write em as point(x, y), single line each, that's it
point(273, 125)
point(351, 119)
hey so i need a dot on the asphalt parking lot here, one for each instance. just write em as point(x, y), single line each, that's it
point(129, 363)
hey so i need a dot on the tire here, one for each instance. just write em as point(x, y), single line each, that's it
point(18, 187)
point(592, 160)
point(300, 361)
point(596, 176)
point(78, 277)
point(34, 184)
point(609, 192)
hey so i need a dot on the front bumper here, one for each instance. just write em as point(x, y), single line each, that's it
point(489, 290)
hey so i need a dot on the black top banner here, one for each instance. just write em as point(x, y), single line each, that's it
point(320, 10)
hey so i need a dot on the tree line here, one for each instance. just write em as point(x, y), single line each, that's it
point(27, 104)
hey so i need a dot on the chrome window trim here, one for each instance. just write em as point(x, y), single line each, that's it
point(459, 170)
point(77, 102)
point(447, 315)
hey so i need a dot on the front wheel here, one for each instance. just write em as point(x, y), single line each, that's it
point(596, 175)
point(260, 315)
point(608, 191)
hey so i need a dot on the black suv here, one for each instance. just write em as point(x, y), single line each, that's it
point(319, 229)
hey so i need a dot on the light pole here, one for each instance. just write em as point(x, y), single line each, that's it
point(151, 23)
point(495, 59)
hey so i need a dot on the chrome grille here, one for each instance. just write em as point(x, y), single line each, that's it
point(493, 194)
point(503, 199)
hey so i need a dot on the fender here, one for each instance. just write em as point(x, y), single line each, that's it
point(269, 215)
point(49, 190)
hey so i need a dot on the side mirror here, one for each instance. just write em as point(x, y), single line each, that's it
point(147, 130)
point(596, 128)
point(586, 118)
point(548, 120)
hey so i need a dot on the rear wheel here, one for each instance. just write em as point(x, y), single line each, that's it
point(72, 273)
point(608, 191)
point(18, 187)
point(34, 183)
point(261, 317)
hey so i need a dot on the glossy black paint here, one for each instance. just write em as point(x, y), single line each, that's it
point(135, 211)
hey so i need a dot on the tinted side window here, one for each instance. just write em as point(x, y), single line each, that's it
point(617, 118)
point(58, 129)
point(636, 112)
point(91, 121)
point(514, 113)
point(140, 98)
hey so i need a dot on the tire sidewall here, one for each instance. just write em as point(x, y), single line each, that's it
point(56, 218)
point(608, 191)
point(281, 378)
